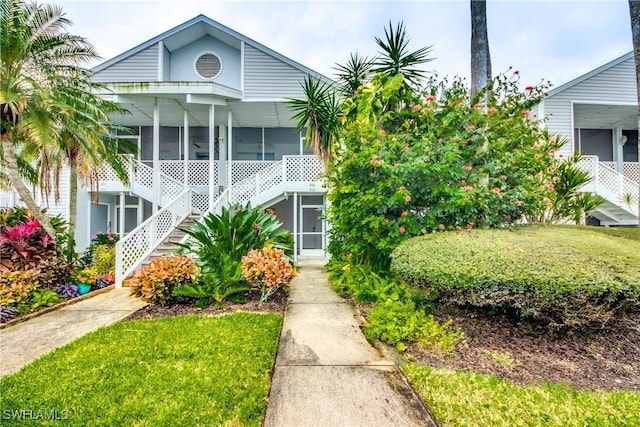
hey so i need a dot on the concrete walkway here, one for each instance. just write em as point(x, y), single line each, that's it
point(327, 374)
point(26, 341)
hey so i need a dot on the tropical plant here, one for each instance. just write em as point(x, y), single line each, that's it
point(353, 74)
point(48, 110)
point(87, 275)
point(43, 298)
point(155, 282)
point(8, 313)
point(268, 269)
point(104, 259)
point(16, 286)
point(25, 246)
point(215, 283)
point(68, 290)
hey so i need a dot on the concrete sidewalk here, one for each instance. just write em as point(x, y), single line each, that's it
point(327, 374)
point(26, 341)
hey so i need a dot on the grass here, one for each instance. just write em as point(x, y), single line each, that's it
point(470, 399)
point(188, 370)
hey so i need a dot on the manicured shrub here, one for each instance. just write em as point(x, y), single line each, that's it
point(268, 269)
point(155, 282)
point(558, 276)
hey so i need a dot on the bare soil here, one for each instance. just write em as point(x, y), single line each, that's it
point(603, 359)
point(276, 304)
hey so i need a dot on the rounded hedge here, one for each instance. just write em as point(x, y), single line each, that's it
point(559, 275)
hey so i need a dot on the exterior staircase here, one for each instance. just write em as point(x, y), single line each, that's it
point(620, 193)
point(169, 245)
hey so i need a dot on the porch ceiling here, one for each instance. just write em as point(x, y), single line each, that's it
point(245, 114)
point(595, 116)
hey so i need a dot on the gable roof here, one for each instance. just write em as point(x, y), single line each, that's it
point(195, 29)
point(590, 74)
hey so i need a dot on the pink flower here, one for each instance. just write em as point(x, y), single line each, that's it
point(402, 230)
point(525, 113)
point(552, 151)
point(547, 201)
point(469, 226)
point(404, 213)
point(468, 188)
point(405, 148)
point(508, 217)
point(552, 168)
point(551, 187)
point(539, 175)
point(492, 110)
point(395, 165)
point(439, 140)
point(430, 98)
point(529, 88)
point(441, 226)
point(416, 108)
point(408, 198)
point(478, 106)
point(468, 168)
point(496, 189)
point(536, 156)
point(470, 128)
point(458, 228)
point(382, 131)
point(518, 202)
point(503, 177)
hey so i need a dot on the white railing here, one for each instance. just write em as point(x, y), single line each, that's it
point(137, 245)
point(610, 184)
point(631, 170)
point(243, 169)
point(198, 171)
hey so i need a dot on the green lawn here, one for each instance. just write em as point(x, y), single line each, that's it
point(175, 371)
point(470, 399)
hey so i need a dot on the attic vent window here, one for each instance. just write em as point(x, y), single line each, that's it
point(208, 65)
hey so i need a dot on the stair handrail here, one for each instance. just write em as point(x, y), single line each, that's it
point(139, 243)
point(614, 190)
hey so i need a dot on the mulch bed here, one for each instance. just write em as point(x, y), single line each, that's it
point(604, 359)
point(276, 304)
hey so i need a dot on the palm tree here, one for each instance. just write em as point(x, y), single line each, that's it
point(46, 100)
point(320, 113)
point(353, 74)
point(634, 12)
point(480, 55)
point(394, 58)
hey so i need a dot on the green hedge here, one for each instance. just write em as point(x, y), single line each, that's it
point(570, 276)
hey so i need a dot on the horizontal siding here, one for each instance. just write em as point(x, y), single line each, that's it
point(166, 66)
point(266, 77)
point(141, 67)
point(558, 115)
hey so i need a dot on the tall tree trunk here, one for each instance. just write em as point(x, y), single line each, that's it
point(480, 56)
point(634, 12)
point(73, 204)
point(11, 169)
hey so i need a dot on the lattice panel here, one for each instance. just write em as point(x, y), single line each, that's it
point(632, 171)
point(173, 168)
point(241, 170)
point(134, 246)
point(200, 202)
point(608, 178)
point(199, 173)
point(244, 191)
point(269, 178)
point(144, 175)
point(630, 188)
point(170, 188)
point(302, 168)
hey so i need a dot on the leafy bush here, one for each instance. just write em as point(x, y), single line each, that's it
point(215, 284)
point(43, 298)
point(395, 322)
point(7, 313)
point(17, 286)
point(365, 285)
point(268, 269)
point(104, 281)
point(155, 282)
point(55, 271)
point(87, 275)
point(68, 290)
point(25, 246)
point(560, 276)
point(104, 259)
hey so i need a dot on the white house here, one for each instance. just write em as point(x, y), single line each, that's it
point(597, 113)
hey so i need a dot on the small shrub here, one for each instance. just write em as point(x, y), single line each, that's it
point(43, 298)
point(87, 275)
point(365, 285)
point(396, 322)
point(68, 290)
point(557, 276)
point(16, 286)
point(25, 246)
point(104, 259)
point(104, 281)
point(155, 282)
point(7, 313)
point(215, 284)
point(268, 269)
point(54, 272)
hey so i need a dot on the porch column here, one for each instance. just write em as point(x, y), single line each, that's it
point(121, 214)
point(618, 148)
point(156, 156)
point(295, 226)
point(222, 156)
point(140, 211)
point(229, 151)
point(212, 150)
point(185, 148)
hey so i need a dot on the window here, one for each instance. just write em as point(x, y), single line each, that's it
point(208, 65)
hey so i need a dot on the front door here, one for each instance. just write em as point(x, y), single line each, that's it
point(311, 231)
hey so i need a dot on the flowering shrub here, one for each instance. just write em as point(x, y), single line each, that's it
point(155, 282)
point(25, 245)
point(107, 238)
point(417, 163)
point(268, 269)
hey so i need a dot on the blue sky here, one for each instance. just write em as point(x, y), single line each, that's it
point(550, 40)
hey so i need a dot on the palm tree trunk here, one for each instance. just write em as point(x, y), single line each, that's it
point(480, 55)
point(73, 204)
point(634, 12)
point(11, 169)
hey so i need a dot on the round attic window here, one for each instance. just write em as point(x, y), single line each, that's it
point(208, 65)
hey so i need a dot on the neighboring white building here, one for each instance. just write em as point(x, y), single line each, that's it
point(597, 113)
